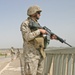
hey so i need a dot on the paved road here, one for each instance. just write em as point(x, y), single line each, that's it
point(10, 67)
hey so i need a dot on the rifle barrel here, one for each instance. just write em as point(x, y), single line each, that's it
point(67, 44)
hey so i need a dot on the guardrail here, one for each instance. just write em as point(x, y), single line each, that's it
point(60, 61)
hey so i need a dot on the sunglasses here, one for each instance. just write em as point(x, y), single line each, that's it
point(38, 12)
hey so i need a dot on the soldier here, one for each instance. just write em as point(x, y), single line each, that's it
point(12, 53)
point(18, 53)
point(33, 43)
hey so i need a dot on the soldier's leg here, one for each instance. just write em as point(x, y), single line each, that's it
point(31, 67)
point(40, 67)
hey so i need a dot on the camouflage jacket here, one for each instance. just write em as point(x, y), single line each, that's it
point(28, 37)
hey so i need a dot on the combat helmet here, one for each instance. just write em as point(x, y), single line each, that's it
point(33, 9)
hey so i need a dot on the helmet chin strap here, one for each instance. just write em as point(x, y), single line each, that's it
point(36, 17)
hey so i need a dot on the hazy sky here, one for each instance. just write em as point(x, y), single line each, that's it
point(58, 15)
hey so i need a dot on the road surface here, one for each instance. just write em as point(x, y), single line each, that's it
point(8, 67)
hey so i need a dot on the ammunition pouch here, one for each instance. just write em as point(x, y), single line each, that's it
point(39, 43)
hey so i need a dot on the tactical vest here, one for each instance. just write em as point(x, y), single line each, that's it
point(38, 41)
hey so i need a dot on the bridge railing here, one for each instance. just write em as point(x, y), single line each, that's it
point(60, 61)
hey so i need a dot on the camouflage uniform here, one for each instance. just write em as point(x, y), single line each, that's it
point(18, 54)
point(12, 53)
point(33, 61)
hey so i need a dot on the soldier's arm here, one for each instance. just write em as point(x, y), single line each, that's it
point(27, 34)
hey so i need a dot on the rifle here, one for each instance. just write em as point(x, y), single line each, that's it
point(58, 38)
point(35, 26)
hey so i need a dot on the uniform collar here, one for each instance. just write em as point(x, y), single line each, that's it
point(29, 18)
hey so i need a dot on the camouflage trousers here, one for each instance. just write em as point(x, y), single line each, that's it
point(33, 65)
